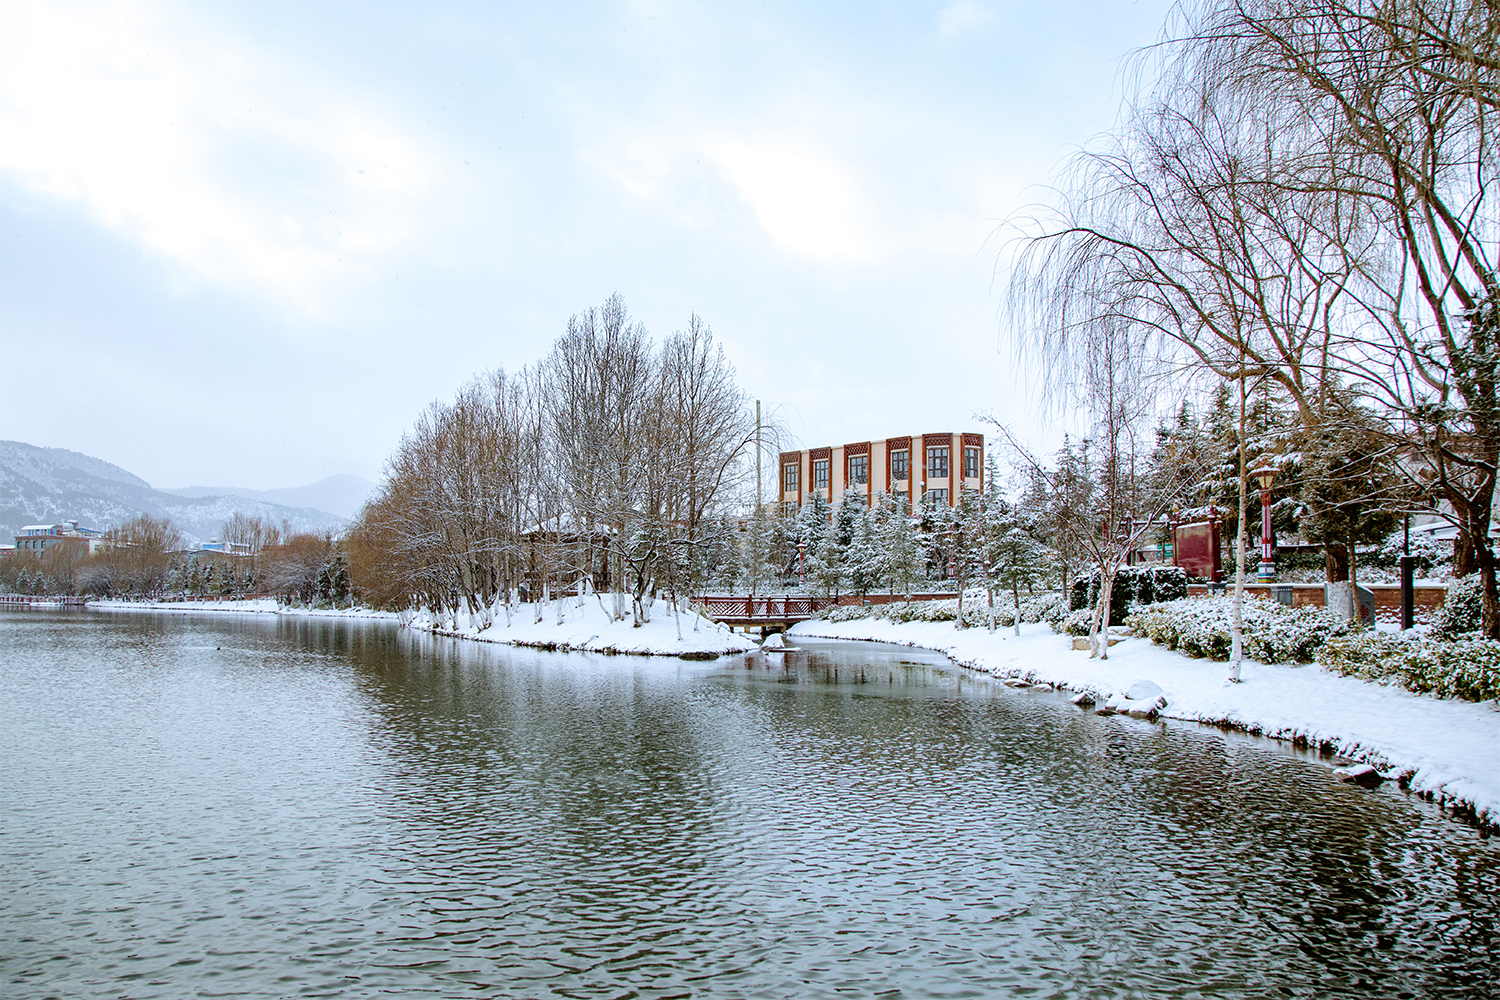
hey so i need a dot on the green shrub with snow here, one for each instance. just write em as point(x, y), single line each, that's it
point(1273, 632)
point(1133, 586)
point(1467, 668)
point(1461, 610)
point(1076, 622)
point(1049, 608)
point(901, 611)
point(847, 613)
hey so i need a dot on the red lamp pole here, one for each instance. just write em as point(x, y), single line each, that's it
point(1267, 571)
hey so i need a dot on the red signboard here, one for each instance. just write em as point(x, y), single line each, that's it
point(1196, 549)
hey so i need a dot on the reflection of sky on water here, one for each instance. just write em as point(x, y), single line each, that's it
point(297, 805)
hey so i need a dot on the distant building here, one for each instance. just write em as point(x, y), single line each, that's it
point(225, 548)
point(931, 468)
point(38, 538)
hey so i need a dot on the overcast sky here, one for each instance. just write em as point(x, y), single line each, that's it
point(245, 244)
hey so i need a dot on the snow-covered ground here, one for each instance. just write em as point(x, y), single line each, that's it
point(265, 606)
point(584, 625)
point(1449, 749)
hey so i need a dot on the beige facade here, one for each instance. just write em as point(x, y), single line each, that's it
point(936, 465)
point(38, 538)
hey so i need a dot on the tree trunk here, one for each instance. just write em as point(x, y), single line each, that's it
point(1465, 561)
point(1100, 636)
point(1484, 557)
point(1335, 562)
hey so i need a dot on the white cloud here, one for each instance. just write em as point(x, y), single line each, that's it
point(963, 15)
point(806, 199)
point(239, 169)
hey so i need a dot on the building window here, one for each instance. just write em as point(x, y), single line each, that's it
point(937, 463)
point(789, 475)
point(899, 468)
point(971, 463)
point(820, 474)
point(859, 469)
point(934, 497)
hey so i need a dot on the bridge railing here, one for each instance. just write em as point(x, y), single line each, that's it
point(66, 600)
point(768, 607)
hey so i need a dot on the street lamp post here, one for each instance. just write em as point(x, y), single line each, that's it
point(1267, 572)
point(801, 565)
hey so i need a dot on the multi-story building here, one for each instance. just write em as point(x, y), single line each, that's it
point(930, 467)
point(39, 537)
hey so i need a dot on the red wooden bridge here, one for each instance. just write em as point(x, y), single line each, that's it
point(789, 609)
point(785, 610)
point(53, 600)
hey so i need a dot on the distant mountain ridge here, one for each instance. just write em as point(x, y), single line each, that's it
point(341, 494)
point(47, 485)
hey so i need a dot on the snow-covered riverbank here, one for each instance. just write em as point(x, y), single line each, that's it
point(259, 606)
point(576, 623)
point(1448, 750)
point(580, 624)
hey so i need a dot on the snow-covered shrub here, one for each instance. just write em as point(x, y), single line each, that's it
point(847, 613)
point(1133, 585)
point(1049, 608)
point(1431, 553)
point(1076, 622)
point(1273, 632)
point(935, 611)
point(977, 614)
point(1467, 668)
point(1461, 610)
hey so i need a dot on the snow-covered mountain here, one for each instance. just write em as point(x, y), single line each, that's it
point(342, 494)
point(46, 485)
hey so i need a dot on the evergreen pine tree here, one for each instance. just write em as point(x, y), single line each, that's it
point(903, 547)
point(1017, 559)
point(863, 555)
point(809, 528)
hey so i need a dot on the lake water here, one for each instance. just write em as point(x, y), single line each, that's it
point(239, 806)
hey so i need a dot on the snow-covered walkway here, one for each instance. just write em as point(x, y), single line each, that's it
point(1450, 748)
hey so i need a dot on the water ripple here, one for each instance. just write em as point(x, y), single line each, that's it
point(229, 807)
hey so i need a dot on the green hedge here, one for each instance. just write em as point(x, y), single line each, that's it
point(1467, 667)
point(1049, 608)
point(1133, 585)
point(1461, 612)
point(1273, 632)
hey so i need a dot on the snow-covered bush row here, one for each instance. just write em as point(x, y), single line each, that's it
point(898, 611)
point(1461, 612)
point(1273, 632)
point(1133, 585)
point(1467, 668)
point(1049, 608)
point(1076, 622)
point(849, 612)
